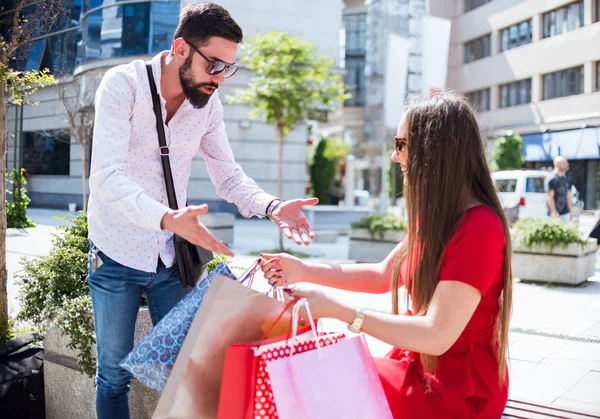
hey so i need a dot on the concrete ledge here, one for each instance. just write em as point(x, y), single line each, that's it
point(326, 236)
point(333, 217)
point(220, 225)
point(70, 394)
point(364, 248)
point(570, 265)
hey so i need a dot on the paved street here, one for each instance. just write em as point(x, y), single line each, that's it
point(555, 331)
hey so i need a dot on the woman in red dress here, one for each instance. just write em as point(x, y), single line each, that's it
point(450, 350)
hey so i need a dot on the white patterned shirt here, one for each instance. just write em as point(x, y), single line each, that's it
point(128, 197)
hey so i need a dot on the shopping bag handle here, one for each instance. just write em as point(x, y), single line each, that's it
point(249, 273)
point(295, 320)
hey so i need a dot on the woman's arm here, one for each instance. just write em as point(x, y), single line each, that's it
point(373, 278)
point(451, 308)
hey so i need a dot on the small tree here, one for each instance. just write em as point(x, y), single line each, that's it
point(322, 173)
point(290, 83)
point(19, 23)
point(77, 99)
point(508, 152)
point(327, 161)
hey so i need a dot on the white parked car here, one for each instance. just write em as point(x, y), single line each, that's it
point(522, 193)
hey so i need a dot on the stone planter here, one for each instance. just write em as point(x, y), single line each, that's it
point(70, 394)
point(220, 225)
point(334, 218)
point(364, 248)
point(569, 265)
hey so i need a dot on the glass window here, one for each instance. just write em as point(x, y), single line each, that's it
point(563, 83)
point(597, 87)
point(566, 18)
point(477, 49)
point(473, 4)
point(480, 99)
point(516, 93)
point(516, 35)
point(535, 185)
point(355, 79)
point(504, 45)
point(46, 153)
point(356, 33)
point(506, 185)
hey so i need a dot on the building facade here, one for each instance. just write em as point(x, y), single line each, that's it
point(532, 67)
point(367, 27)
point(113, 32)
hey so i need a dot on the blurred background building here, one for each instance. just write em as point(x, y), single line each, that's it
point(532, 67)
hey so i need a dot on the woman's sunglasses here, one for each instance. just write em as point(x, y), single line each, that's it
point(400, 144)
point(216, 66)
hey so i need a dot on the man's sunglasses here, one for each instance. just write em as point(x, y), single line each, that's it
point(400, 144)
point(216, 66)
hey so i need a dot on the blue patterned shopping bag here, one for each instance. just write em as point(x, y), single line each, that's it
point(152, 359)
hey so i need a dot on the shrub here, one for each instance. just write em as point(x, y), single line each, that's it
point(54, 289)
point(550, 232)
point(16, 210)
point(378, 224)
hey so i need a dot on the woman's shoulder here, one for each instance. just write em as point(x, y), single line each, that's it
point(481, 219)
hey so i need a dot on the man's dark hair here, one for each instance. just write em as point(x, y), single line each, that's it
point(199, 22)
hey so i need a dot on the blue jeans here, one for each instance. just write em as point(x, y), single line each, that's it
point(116, 292)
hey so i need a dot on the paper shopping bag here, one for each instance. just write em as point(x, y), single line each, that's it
point(230, 313)
point(246, 390)
point(152, 359)
point(335, 381)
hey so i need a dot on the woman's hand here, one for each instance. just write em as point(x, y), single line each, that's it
point(282, 268)
point(321, 305)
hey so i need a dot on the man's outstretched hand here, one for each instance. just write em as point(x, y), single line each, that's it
point(291, 220)
point(184, 223)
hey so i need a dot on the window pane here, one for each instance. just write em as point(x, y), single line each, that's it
point(486, 100)
point(514, 36)
point(513, 94)
point(504, 46)
point(534, 185)
point(506, 185)
point(547, 25)
point(46, 153)
point(573, 16)
point(504, 96)
point(549, 86)
point(560, 21)
point(522, 92)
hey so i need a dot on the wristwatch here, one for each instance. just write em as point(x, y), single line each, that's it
point(356, 325)
point(272, 205)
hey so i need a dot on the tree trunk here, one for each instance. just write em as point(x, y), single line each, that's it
point(84, 176)
point(3, 271)
point(280, 179)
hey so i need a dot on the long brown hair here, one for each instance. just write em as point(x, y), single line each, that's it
point(445, 156)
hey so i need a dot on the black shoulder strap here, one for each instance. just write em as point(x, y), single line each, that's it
point(163, 148)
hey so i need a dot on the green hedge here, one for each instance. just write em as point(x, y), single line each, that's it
point(550, 232)
point(378, 224)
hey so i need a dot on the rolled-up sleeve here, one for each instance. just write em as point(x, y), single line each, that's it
point(109, 182)
point(231, 183)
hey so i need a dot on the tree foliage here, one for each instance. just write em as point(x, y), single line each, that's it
point(508, 152)
point(20, 22)
point(291, 83)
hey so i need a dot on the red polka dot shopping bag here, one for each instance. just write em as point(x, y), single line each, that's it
point(246, 390)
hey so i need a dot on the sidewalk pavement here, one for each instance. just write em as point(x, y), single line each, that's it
point(555, 330)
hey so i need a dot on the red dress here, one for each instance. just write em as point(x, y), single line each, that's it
point(465, 383)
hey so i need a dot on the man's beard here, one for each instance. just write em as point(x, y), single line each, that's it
point(192, 90)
